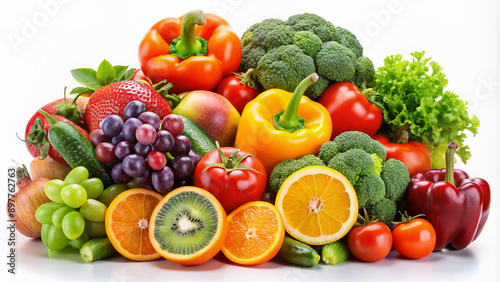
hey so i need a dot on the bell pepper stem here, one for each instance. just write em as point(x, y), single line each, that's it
point(289, 120)
point(188, 44)
point(450, 162)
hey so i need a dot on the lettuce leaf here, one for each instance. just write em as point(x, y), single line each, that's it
point(412, 93)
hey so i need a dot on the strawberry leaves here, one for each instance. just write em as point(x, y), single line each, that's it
point(105, 74)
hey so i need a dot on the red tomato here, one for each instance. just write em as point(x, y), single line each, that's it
point(370, 242)
point(414, 239)
point(238, 90)
point(232, 176)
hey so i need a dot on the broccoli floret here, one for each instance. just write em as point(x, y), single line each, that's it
point(396, 178)
point(356, 163)
point(279, 36)
point(369, 190)
point(335, 61)
point(309, 42)
point(351, 140)
point(284, 67)
point(348, 39)
point(334, 52)
point(365, 71)
point(286, 168)
point(384, 210)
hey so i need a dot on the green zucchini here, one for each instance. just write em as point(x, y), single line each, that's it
point(296, 252)
point(200, 141)
point(96, 249)
point(75, 149)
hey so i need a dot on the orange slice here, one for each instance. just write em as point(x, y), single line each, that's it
point(256, 233)
point(318, 205)
point(127, 223)
point(188, 226)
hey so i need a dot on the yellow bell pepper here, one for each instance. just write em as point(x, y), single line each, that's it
point(278, 125)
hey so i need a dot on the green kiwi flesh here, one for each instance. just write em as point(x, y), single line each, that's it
point(186, 223)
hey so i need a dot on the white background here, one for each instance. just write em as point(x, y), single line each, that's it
point(43, 40)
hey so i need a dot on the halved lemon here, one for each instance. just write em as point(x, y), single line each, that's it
point(318, 205)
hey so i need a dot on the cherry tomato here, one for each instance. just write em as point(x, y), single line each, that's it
point(232, 176)
point(238, 90)
point(370, 242)
point(414, 239)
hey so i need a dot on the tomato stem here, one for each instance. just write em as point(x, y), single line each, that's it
point(232, 162)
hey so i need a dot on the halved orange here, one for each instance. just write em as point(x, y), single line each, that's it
point(318, 205)
point(127, 223)
point(256, 233)
point(188, 226)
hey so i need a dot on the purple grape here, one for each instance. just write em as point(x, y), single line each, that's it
point(195, 157)
point(119, 176)
point(129, 128)
point(182, 167)
point(123, 149)
point(150, 118)
point(164, 141)
point(145, 179)
point(183, 182)
point(163, 180)
point(112, 125)
point(145, 134)
point(173, 123)
point(182, 146)
point(117, 139)
point(133, 109)
point(134, 165)
point(97, 136)
point(143, 150)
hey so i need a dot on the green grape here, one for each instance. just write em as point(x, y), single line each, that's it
point(93, 210)
point(74, 195)
point(44, 232)
point(78, 242)
point(56, 240)
point(73, 225)
point(53, 190)
point(58, 215)
point(44, 212)
point(93, 186)
point(95, 229)
point(110, 193)
point(77, 175)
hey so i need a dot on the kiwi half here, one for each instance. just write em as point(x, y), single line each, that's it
point(186, 223)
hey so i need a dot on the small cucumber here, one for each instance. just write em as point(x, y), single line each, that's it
point(75, 149)
point(296, 252)
point(96, 249)
point(200, 141)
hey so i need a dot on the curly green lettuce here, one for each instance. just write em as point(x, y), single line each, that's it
point(413, 94)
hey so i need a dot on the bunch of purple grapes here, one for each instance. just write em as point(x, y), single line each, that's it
point(145, 148)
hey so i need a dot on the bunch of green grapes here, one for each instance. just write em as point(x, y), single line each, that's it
point(75, 214)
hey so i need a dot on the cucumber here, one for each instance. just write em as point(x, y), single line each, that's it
point(200, 141)
point(296, 252)
point(75, 149)
point(96, 249)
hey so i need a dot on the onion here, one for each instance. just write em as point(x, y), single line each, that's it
point(25, 203)
point(48, 168)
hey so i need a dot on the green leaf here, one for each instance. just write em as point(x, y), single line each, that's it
point(87, 77)
point(128, 74)
point(105, 73)
point(79, 90)
point(119, 72)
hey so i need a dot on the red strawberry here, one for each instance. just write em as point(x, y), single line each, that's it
point(36, 135)
point(112, 99)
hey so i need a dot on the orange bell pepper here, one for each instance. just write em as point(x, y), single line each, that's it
point(193, 52)
point(278, 125)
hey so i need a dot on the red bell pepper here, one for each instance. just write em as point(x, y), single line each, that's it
point(413, 154)
point(350, 109)
point(192, 52)
point(458, 213)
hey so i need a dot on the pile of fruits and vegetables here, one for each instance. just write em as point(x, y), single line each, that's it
point(284, 142)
